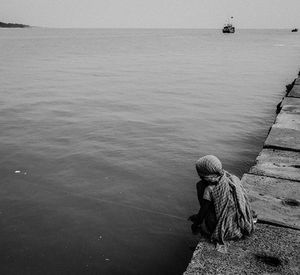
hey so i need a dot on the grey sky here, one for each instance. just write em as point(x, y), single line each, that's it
point(152, 13)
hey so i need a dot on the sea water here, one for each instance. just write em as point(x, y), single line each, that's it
point(100, 131)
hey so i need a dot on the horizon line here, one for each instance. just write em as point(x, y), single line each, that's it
point(166, 28)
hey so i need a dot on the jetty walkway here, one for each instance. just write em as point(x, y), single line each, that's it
point(273, 187)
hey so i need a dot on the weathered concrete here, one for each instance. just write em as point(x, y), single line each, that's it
point(278, 164)
point(288, 120)
point(271, 250)
point(297, 81)
point(283, 138)
point(274, 199)
point(290, 105)
point(274, 182)
point(285, 133)
point(273, 187)
point(295, 92)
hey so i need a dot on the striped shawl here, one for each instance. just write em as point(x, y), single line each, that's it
point(233, 212)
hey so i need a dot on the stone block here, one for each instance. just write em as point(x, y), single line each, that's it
point(295, 92)
point(283, 138)
point(278, 164)
point(290, 105)
point(297, 81)
point(288, 120)
point(274, 199)
point(270, 250)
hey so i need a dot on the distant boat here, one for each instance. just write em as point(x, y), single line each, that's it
point(228, 27)
point(294, 30)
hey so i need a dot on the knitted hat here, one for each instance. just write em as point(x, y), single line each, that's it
point(209, 165)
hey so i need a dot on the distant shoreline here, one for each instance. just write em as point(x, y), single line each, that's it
point(13, 25)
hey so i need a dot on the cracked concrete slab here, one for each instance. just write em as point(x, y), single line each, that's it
point(297, 81)
point(274, 199)
point(278, 164)
point(283, 138)
point(295, 92)
point(288, 120)
point(290, 105)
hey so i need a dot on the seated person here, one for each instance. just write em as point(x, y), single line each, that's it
point(225, 212)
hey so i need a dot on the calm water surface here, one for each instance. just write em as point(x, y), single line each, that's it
point(104, 127)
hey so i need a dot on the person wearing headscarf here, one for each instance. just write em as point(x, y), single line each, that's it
point(225, 211)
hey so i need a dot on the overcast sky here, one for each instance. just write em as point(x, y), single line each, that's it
point(152, 13)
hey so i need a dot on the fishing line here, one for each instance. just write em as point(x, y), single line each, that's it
point(52, 189)
point(128, 206)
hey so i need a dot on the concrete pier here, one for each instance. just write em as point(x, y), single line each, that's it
point(273, 187)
